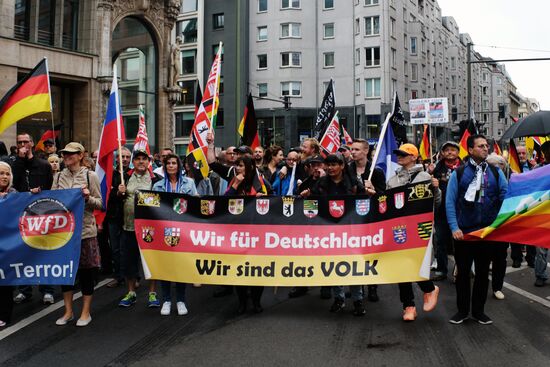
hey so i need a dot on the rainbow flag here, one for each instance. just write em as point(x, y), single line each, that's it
point(524, 216)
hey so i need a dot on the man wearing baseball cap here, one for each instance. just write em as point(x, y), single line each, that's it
point(410, 172)
point(443, 237)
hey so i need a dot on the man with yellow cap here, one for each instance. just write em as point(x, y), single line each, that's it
point(410, 172)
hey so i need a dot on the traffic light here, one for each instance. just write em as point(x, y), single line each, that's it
point(287, 102)
point(454, 114)
point(462, 126)
point(501, 111)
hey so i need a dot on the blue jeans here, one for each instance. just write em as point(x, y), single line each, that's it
point(356, 292)
point(541, 261)
point(115, 239)
point(167, 291)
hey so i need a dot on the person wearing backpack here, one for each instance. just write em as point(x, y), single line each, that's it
point(474, 195)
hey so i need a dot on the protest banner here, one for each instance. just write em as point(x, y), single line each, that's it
point(429, 111)
point(286, 241)
point(41, 235)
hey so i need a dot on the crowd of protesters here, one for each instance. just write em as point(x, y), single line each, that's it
point(467, 194)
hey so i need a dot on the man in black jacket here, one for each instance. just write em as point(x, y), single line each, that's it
point(31, 174)
point(443, 237)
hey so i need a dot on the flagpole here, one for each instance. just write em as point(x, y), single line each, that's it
point(430, 142)
point(378, 145)
point(118, 122)
point(51, 105)
point(214, 107)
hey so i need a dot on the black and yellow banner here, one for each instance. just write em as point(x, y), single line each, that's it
point(286, 241)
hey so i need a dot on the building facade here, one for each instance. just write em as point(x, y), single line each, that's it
point(82, 39)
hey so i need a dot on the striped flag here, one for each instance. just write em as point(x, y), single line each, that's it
point(205, 117)
point(48, 134)
point(248, 128)
point(348, 140)
point(330, 142)
point(496, 148)
point(111, 134)
point(384, 157)
point(513, 158)
point(463, 144)
point(142, 140)
point(31, 95)
point(425, 144)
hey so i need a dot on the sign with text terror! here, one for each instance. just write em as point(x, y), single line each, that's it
point(41, 235)
point(287, 241)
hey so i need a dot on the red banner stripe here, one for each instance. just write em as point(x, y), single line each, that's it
point(35, 85)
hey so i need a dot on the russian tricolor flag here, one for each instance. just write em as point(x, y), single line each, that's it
point(112, 137)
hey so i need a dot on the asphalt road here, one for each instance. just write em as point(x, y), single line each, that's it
point(290, 332)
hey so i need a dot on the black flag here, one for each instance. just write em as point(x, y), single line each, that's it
point(326, 112)
point(397, 122)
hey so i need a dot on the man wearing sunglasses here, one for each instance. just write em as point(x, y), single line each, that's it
point(31, 174)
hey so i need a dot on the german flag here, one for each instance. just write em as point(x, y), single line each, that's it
point(496, 148)
point(464, 144)
point(425, 144)
point(29, 96)
point(248, 128)
point(49, 134)
point(513, 158)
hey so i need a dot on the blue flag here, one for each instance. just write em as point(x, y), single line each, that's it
point(41, 236)
point(387, 160)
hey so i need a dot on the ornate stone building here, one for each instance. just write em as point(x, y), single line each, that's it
point(82, 39)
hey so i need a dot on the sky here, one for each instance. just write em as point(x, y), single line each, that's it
point(510, 25)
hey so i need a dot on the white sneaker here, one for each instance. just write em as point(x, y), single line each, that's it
point(182, 310)
point(166, 308)
point(19, 298)
point(48, 299)
point(498, 295)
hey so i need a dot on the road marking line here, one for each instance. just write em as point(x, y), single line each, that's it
point(48, 310)
point(528, 295)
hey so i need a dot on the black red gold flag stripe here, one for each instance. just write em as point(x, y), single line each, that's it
point(29, 96)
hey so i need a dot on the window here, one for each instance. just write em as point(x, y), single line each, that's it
point(357, 27)
point(393, 57)
point(485, 77)
point(46, 21)
point(373, 56)
point(328, 30)
point(453, 64)
point(371, 2)
point(405, 68)
point(392, 27)
point(372, 26)
point(262, 33)
point(328, 4)
point(262, 61)
point(220, 119)
point(70, 26)
point(414, 72)
point(188, 61)
point(290, 30)
point(291, 59)
point(129, 69)
point(357, 86)
point(372, 87)
point(393, 86)
point(188, 6)
point(221, 88)
point(22, 19)
point(292, 89)
point(290, 4)
point(357, 56)
point(486, 105)
point(184, 123)
point(499, 93)
point(187, 30)
point(262, 6)
point(453, 99)
point(413, 45)
point(328, 58)
point(414, 94)
point(405, 41)
point(453, 81)
point(499, 80)
point(187, 92)
point(262, 90)
point(218, 21)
